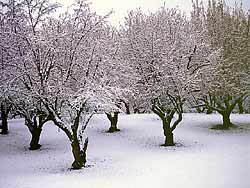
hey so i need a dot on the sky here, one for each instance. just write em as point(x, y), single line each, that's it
point(121, 7)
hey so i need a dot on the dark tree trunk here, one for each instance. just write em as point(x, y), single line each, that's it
point(127, 107)
point(78, 152)
point(34, 143)
point(4, 116)
point(113, 118)
point(225, 108)
point(241, 108)
point(167, 115)
point(226, 120)
point(79, 155)
point(35, 128)
point(169, 139)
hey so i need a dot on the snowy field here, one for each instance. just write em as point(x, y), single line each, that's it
point(132, 158)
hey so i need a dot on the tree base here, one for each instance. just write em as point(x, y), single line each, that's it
point(79, 155)
point(76, 166)
point(4, 132)
point(169, 140)
point(167, 145)
point(80, 163)
point(112, 130)
point(35, 147)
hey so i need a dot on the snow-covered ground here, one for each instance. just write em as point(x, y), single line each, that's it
point(132, 158)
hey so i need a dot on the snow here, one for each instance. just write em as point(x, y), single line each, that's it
point(133, 157)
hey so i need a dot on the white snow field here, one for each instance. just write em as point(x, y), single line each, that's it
point(133, 157)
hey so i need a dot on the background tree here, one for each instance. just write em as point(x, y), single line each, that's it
point(114, 75)
point(167, 55)
point(227, 84)
point(8, 14)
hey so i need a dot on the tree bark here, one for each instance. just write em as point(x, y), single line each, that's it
point(34, 143)
point(226, 120)
point(4, 116)
point(35, 128)
point(113, 121)
point(166, 118)
point(78, 152)
point(79, 155)
point(127, 107)
point(241, 108)
point(169, 139)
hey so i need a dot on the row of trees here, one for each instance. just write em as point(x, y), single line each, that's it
point(67, 69)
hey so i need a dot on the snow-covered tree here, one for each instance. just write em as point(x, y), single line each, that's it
point(7, 25)
point(23, 63)
point(58, 71)
point(167, 55)
point(113, 74)
point(75, 90)
point(227, 82)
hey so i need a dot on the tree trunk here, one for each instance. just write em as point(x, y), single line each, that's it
point(226, 120)
point(113, 121)
point(169, 139)
point(127, 107)
point(35, 133)
point(73, 135)
point(4, 116)
point(35, 128)
point(241, 108)
point(79, 155)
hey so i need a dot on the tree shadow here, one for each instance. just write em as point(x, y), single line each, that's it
point(221, 127)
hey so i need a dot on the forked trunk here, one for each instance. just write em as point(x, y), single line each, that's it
point(35, 128)
point(113, 118)
point(169, 137)
point(78, 151)
point(169, 122)
point(34, 143)
point(127, 107)
point(79, 154)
